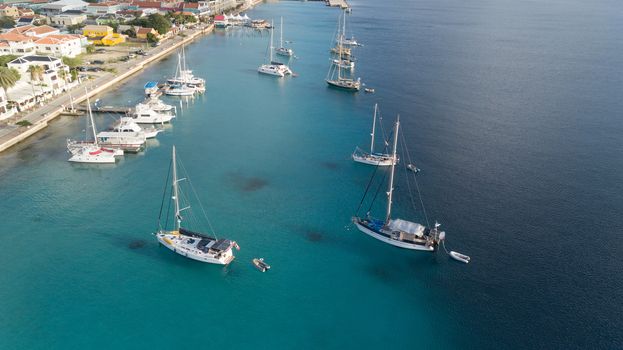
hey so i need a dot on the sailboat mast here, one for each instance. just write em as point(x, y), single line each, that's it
point(340, 38)
point(281, 34)
point(91, 117)
point(272, 27)
point(373, 129)
point(390, 190)
point(178, 218)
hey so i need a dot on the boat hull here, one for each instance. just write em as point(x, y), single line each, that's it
point(168, 241)
point(270, 70)
point(371, 160)
point(346, 87)
point(386, 239)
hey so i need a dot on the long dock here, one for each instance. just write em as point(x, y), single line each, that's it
point(105, 109)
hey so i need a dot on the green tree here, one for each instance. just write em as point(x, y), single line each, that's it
point(8, 79)
point(159, 23)
point(72, 62)
point(75, 28)
point(90, 49)
point(4, 59)
point(152, 38)
point(130, 32)
point(7, 22)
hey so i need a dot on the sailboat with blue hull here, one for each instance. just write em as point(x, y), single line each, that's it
point(398, 232)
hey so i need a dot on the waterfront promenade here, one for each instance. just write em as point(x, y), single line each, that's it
point(11, 135)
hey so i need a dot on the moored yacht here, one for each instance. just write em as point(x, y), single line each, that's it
point(398, 232)
point(282, 50)
point(143, 114)
point(127, 124)
point(374, 158)
point(274, 68)
point(191, 244)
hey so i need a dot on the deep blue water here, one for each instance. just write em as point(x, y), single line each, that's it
point(511, 108)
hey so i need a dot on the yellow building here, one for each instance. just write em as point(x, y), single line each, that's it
point(102, 35)
point(141, 33)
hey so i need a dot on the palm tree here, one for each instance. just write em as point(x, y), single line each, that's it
point(36, 73)
point(8, 79)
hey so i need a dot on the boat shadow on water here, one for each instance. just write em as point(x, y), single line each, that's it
point(247, 184)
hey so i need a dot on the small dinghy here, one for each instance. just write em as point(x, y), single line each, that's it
point(369, 90)
point(413, 168)
point(459, 257)
point(261, 265)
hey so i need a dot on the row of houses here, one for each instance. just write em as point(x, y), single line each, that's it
point(29, 39)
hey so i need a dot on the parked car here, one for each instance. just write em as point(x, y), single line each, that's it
point(82, 69)
point(95, 69)
point(124, 59)
point(100, 50)
point(98, 62)
point(131, 55)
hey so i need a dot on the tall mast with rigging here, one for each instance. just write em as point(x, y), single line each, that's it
point(373, 127)
point(390, 190)
point(178, 217)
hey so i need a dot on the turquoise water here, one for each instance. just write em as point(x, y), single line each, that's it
point(489, 110)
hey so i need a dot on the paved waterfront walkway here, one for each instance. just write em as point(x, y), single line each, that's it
point(39, 118)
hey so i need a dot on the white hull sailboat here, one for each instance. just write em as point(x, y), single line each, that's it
point(91, 152)
point(398, 232)
point(190, 244)
point(273, 68)
point(184, 83)
point(372, 158)
point(334, 76)
point(282, 50)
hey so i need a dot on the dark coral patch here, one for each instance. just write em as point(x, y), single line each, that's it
point(137, 244)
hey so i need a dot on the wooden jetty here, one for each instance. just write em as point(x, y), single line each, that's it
point(105, 109)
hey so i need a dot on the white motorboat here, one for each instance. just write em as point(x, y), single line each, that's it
point(152, 89)
point(128, 141)
point(398, 232)
point(282, 50)
point(374, 158)
point(460, 257)
point(274, 68)
point(90, 152)
point(143, 114)
point(127, 124)
point(159, 106)
point(193, 245)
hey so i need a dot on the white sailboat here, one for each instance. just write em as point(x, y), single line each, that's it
point(91, 152)
point(184, 83)
point(272, 67)
point(374, 158)
point(334, 76)
point(398, 232)
point(347, 41)
point(193, 245)
point(282, 50)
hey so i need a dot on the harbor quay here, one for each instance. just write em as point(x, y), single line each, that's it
point(11, 135)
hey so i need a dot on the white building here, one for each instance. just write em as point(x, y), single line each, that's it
point(16, 44)
point(27, 92)
point(5, 111)
point(68, 19)
point(103, 8)
point(59, 45)
point(57, 7)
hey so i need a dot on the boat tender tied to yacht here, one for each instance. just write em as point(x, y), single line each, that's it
point(192, 244)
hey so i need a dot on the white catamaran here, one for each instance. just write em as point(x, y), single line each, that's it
point(193, 245)
point(372, 158)
point(272, 67)
point(91, 151)
point(398, 232)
